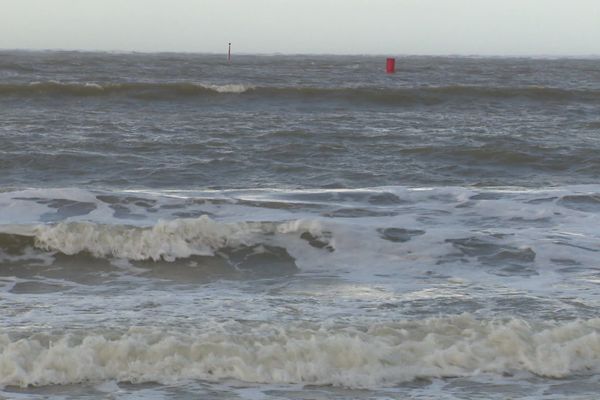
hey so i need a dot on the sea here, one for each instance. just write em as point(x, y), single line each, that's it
point(177, 226)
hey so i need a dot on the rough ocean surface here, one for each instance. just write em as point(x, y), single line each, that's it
point(174, 226)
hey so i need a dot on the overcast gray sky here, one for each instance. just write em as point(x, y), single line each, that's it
point(502, 27)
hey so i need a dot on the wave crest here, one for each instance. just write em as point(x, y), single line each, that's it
point(392, 96)
point(142, 90)
point(167, 240)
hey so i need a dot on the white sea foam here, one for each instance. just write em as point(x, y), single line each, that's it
point(93, 85)
point(357, 357)
point(165, 240)
point(230, 88)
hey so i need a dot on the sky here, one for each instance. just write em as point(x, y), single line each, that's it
point(434, 27)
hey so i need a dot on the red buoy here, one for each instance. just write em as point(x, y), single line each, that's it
point(390, 66)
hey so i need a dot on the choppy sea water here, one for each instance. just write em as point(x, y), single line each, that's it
point(174, 226)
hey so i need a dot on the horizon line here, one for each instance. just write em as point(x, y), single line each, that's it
point(270, 54)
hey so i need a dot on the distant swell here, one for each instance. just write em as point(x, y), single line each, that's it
point(408, 95)
point(372, 356)
point(140, 90)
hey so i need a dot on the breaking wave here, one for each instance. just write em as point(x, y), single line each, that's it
point(370, 356)
point(166, 240)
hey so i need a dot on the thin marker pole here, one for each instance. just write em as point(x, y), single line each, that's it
point(229, 53)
